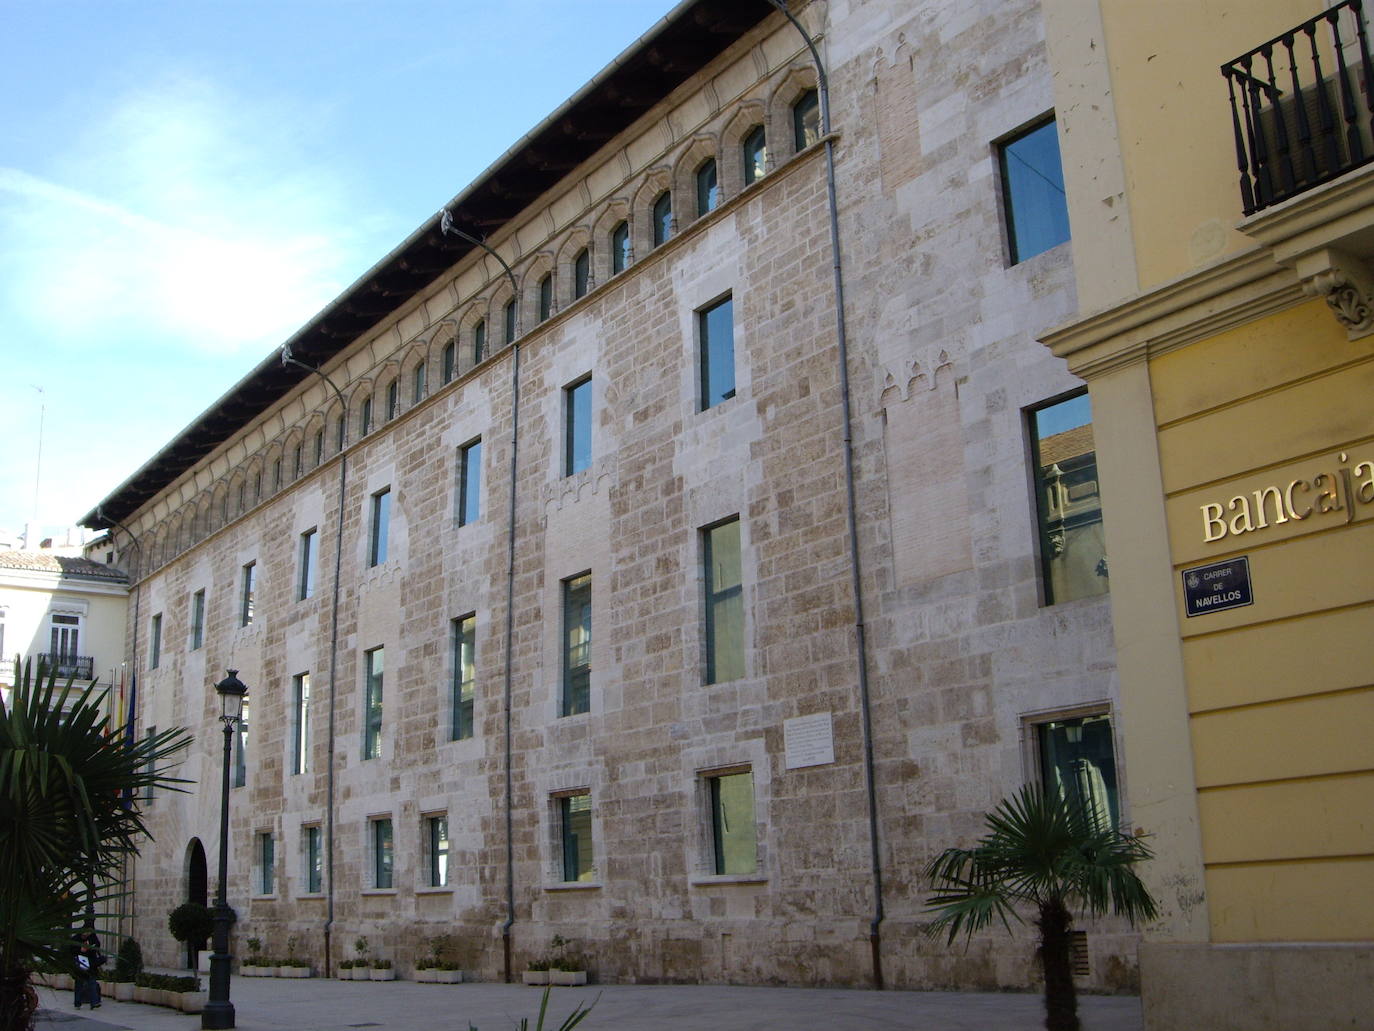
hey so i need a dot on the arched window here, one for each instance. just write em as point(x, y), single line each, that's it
point(620, 248)
point(341, 431)
point(582, 273)
point(510, 321)
point(450, 356)
point(708, 189)
point(365, 418)
point(806, 120)
point(319, 457)
point(546, 297)
point(479, 342)
point(417, 384)
point(393, 399)
point(663, 218)
point(755, 155)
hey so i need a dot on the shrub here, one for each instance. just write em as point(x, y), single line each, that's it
point(381, 964)
point(168, 982)
point(128, 961)
point(191, 922)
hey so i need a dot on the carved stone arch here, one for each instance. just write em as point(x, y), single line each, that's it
point(273, 469)
point(416, 356)
point(195, 526)
point(797, 80)
point(253, 478)
point(751, 113)
point(387, 375)
point(617, 210)
point(476, 313)
point(219, 511)
point(363, 416)
point(657, 181)
point(314, 423)
point(498, 295)
point(686, 204)
point(442, 364)
point(237, 489)
point(294, 456)
point(333, 441)
point(576, 240)
point(541, 264)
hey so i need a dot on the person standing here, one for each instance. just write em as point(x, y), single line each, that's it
point(88, 960)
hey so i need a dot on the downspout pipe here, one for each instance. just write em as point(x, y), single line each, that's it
point(288, 359)
point(447, 227)
point(851, 508)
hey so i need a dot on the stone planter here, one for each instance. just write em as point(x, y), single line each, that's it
point(293, 971)
point(192, 1002)
point(387, 974)
point(567, 977)
point(123, 991)
point(536, 977)
point(145, 995)
point(429, 975)
point(253, 970)
point(343, 973)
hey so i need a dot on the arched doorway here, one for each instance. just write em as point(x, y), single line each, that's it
point(197, 890)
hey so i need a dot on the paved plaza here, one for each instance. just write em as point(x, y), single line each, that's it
point(263, 1004)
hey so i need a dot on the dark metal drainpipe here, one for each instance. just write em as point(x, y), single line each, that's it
point(851, 517)
point(447, 227)
point(287, 359)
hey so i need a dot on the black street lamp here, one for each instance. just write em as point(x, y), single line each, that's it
point(219, 1011)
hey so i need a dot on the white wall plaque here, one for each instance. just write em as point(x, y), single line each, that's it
point(808, 740)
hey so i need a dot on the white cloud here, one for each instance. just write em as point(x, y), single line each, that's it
point(183, 214)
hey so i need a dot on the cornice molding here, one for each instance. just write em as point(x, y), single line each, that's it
point(1201, 304)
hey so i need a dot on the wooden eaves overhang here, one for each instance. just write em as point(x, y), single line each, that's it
point(687, 39)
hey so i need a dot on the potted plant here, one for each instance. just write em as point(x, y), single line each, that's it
point(439, 965)
point(191, 924)
point(293, 965)
point(565, 969)
point(344, 971)
point(255, 965)
point(128, 965)
point(537, 972)
point(382, 970)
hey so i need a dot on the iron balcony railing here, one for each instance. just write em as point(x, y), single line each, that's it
point(1300, 106)
point(78, 666)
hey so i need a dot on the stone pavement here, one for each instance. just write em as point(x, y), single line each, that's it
point(266, 1004)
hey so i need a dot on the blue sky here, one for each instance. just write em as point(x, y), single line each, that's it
point(185, 182)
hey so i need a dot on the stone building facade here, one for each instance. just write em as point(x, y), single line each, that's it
point(592, 663)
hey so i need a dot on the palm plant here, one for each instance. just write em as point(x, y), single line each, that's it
point(68, 819)
point(1047, 852)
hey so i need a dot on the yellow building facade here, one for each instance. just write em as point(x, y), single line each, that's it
point(1223, 225)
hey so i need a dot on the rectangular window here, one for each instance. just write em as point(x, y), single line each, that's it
point(1073, 547)
point(241, 748)
point(310, 545)
point(383, 853)
point(300, 730)
point(733, 838)
point(724, 603)
point(155, 642)
point(250, 575)
point(577, 436)
point(198, 620)
point(312, 847)
point(65, 638)
point(436, 847)
point(375, 666)
point(469, 483)
point(716, 332)
point(577, 644)
point(1078, 763)
point(381, 525)
point(575, 822)
point(267, 859)
point(464, 674)
point(1037, 213)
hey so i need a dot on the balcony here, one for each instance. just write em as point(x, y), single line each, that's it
point(1300, 107)
point(76, 666)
